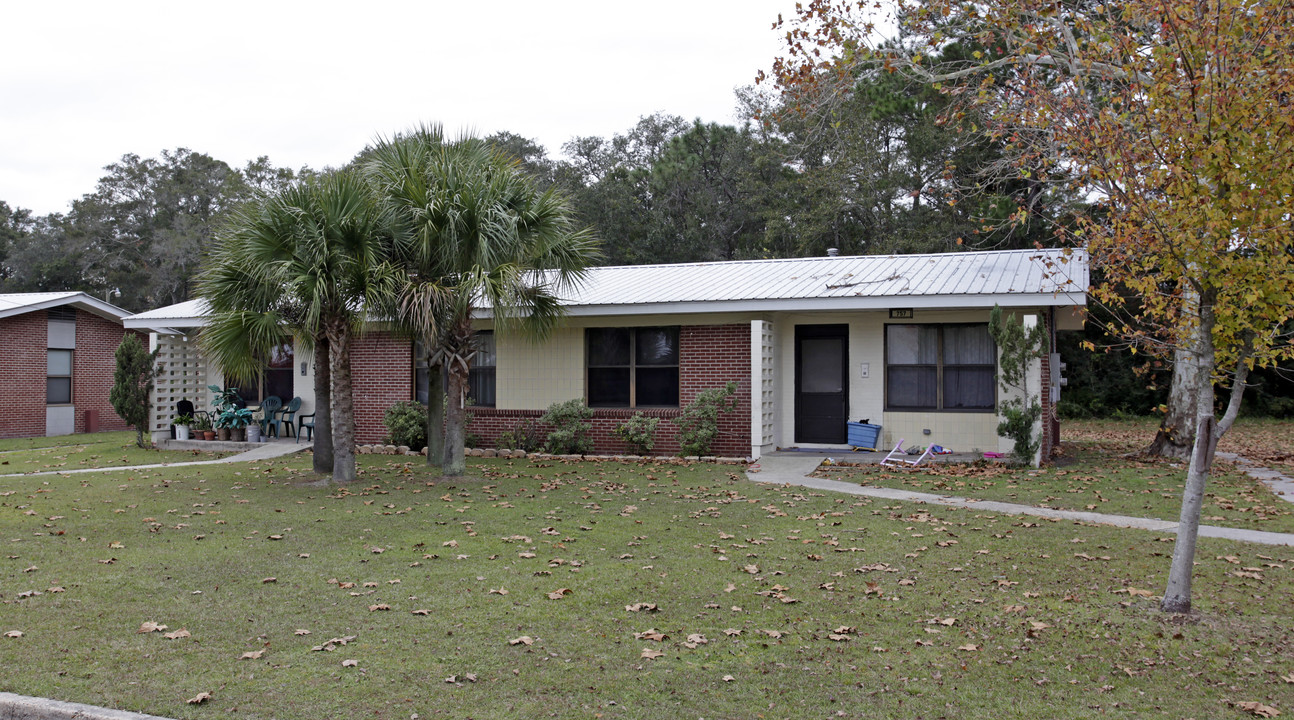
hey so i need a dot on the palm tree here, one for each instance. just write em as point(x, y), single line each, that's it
point(308, 260)
point(474, 232)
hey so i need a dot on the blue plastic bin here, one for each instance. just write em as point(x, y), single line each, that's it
point(864, 435)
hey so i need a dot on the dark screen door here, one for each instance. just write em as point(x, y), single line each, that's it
point(821, 383)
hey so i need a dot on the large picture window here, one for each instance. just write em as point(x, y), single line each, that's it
point(632, 367)
point(275, 380)
point(939, 367)
point(58, 377)
point(480, 378)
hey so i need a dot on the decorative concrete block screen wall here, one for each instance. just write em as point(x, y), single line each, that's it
point(183, 377)
point(709, 357)
point(763, 346)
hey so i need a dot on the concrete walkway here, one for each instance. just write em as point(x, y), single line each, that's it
point(265, 451)
point(794, 468)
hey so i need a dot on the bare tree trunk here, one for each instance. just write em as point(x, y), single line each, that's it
point(1176, 434)
point(343, 404)
point(323, 456)
point(435, 413)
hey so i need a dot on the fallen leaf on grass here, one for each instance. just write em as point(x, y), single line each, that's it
point(301, 631)
point(1288, 678)
point(969, 647)
point(775, 634)
point(199, 698)
point(651, 654)
point(523, 640)
point(378, 607)
point(181, 633)
point(252, 655)
point(349, 663)
point(839, 638)
point(420, 612)
point(269, 580)
point(56, 589)
point(652, 634)
point(730, 632)
point(1136, 592)
point(1259, 709)
point(13, 634)
point(116, 545)
point(639, 607)
point(728, 678)
point(150, 626)
point(694, 640)
point(559, 593)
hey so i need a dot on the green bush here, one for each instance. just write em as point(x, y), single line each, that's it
point(406, 424)
point(698, 426)
point(570, 423)
point(523, 436)
point(639, 432)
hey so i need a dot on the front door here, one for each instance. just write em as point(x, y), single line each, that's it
point(821, 384)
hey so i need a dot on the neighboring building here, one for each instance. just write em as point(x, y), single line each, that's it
point(57, 358)
point(900, 341)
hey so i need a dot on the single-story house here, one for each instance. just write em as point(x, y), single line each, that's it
point(899, 341)
point(57, 363)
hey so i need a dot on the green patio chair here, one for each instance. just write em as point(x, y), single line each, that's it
point(288, 415)
point(307, 423)
point(270, 406)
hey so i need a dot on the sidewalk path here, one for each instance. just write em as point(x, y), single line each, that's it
point(793, 469)
point(266, 451)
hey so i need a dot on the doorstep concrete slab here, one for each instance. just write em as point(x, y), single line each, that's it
point(794, 469)
point(25, 707)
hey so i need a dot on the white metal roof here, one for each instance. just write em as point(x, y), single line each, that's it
point(1011, 278)
point(190, 313)
point(965, 279)
point(21, 303)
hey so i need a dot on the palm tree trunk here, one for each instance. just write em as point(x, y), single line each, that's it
point(435, 413)
point(323, 455)
point(460, 349)
point(343, 403)
point(455, 462)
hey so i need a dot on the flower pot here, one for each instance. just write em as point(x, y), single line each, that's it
point(238, 434)
point(181, 432)
point(223, 433)
point(208, 434)
point(253, 433)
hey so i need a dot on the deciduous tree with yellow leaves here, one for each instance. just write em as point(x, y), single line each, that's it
point(1175, 116)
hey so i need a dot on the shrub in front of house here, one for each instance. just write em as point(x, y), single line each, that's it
point(570, 428)
point(406, 424)
point(523, 436)
point(698, 426)
point(639, 432)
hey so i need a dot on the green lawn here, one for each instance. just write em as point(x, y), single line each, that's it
point(768, 602)
point(1095, 473)
point(97, 450)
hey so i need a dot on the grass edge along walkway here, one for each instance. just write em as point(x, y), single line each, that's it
point(785, 470)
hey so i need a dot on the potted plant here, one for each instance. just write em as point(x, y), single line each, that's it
point(202, 426)
point(182, 424)
point(236, 421)
point(224, 402)
point(254, 428)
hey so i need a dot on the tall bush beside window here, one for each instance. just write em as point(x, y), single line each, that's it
point(132, 382)
point(1020, 347)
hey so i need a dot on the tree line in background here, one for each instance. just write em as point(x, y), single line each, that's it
point(894, 165)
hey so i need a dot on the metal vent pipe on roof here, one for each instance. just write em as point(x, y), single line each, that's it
point(833, 252)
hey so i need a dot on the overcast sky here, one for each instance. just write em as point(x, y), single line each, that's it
point(310, 83)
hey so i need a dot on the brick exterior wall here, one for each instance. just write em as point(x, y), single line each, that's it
point(22, 374)
point(709, 357)
point(381, 368)
point(93, 364)
point(23, 370)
